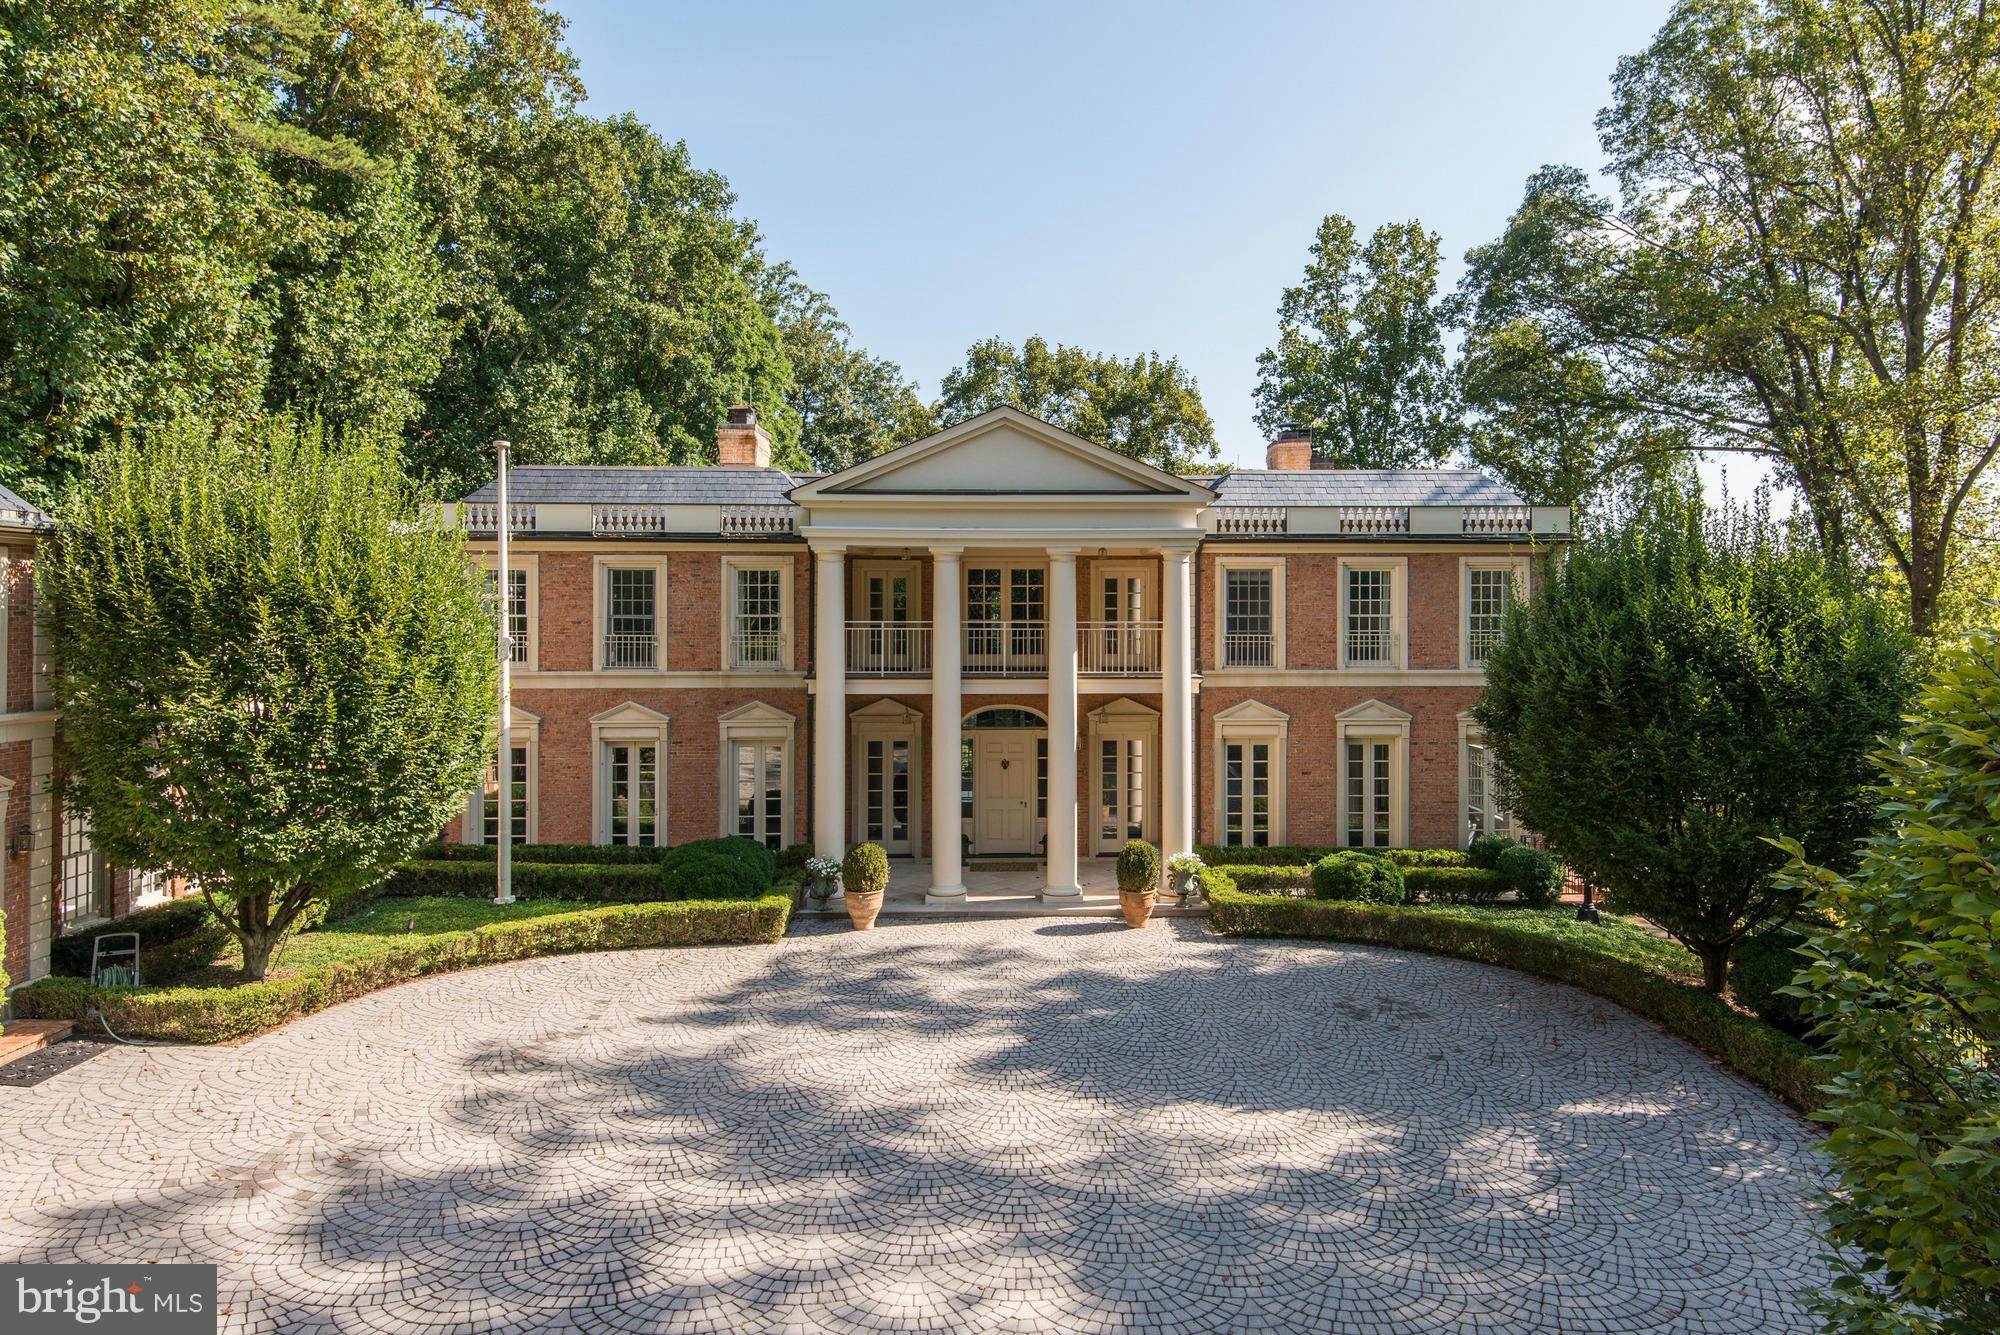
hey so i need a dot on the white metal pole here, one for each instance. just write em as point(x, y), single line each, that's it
point(505, 770)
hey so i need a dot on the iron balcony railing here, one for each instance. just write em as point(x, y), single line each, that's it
point(1249, 649)
point(1005, 648)
point(1118, 648)
point(631, 651)
point(1371, 644)
point(888, 648)
point(755, 648)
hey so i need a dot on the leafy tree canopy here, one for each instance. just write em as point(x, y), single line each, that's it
point(1360, 355)
point(1679, 691)
point(1147, 407)
point(850, 405)
point(275, 669)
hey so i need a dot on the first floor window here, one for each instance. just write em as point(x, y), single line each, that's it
point(760, 792)
point(1482, 811)
point(1122, 782)
point(517, 796)
point(1246, 794)
point(80, 876)
point(1368, 790)
point(885, 796)
point(632, 784)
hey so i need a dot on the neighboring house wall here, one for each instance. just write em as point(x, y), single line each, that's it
point(28, 827)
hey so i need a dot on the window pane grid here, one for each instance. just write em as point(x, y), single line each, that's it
point(1246, 794)
point(517, 783)
point(1247, 630)
point(1370, 627)
point(760, 617)
point(629, 637)
point(517, 611)
point(1488, 594)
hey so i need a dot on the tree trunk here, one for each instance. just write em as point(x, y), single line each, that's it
point(257, 954)
point(1714, 966)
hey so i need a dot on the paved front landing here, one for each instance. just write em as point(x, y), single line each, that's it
point(1018, 1125)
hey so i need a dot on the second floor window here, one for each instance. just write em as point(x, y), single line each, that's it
point(1371, 626)
point(1488, 594)
point(760, 618)
point(630, 633)
point(1248, 633)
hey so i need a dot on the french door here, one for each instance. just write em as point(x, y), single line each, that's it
point(1006, 619)
point(889, 642)
point(1124, 784)
point(885, 793)
point(1246, 794)
point(1124, 642)
point(631, 786)
point(1369, 816)
point(758, 769)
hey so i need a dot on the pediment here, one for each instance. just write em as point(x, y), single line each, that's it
point(885, 711)
point(1372, 711)
point(1003, 451)
point(757, 712)
point(1252, 711)
point(1122, 710)
point(631, 712)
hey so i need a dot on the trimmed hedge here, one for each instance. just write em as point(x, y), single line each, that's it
point(1455, 885)
point(759, 863)
point(598, 854)
point(1537, 876)
point(160, 926)
point(216, 1014)
point(1305, 855)
point(1354, 874)
point(1755, 1050)
point(471, 878)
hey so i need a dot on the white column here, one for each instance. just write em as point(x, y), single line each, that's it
point(1062, 883)
point(830, 703)
point(503, 797)
point(1177, 711)
point(947, 822)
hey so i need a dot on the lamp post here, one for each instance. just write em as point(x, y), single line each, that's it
point(504, 798)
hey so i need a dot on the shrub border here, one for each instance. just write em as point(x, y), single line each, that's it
point(1775, 1061)
point(218, 1014)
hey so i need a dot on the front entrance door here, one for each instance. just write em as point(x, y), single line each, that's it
point(1003, 792)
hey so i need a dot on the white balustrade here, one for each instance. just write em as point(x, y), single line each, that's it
point(759, 521)
point(1118, 648)
point(1005, 648)
point(1374, 518)
point(1495, 519)
point(625, 520)
point(888, 648)
point(484, 517)
point(1251, 520)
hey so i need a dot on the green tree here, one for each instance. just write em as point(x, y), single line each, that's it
point(1681, 690)
point(850, 405)
point(1905, 986)
point(1360, 354)
point(1147, 407)
point(275, 671)
point(1802, 263)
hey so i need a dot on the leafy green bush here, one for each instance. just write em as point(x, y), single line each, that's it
point(1760, 968)
point(599, 854)
point(617, 883)
point(1537, 876)
point(702, 873)
point(1352, 874)
point(217, 1014)
point(759, 862)
point(160, 925)
point(1258, 879)
point(1487, 848)
point(1138, 867)
point(1905, 990)
point(865, 870)
point(1619, 962)
point(1451, 885)
point(793, 856)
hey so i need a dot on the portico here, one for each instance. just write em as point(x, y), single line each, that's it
point(993, 603)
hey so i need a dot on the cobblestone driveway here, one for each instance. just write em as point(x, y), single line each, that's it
point(1025, 1125)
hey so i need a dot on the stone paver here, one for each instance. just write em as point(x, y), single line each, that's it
point(1019, 1125)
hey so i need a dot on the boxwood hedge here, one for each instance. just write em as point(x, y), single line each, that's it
point(216, 1014)
point(1755, 1050)
point(1305, 855)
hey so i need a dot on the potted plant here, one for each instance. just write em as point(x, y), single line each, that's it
point(865, 873)
point(1138, 881)
point(1186, 869)
point(825, 882)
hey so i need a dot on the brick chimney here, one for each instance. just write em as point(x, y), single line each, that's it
point(1292, 451)
point(740, 442)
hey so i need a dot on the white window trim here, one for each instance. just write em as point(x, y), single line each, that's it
point(758, 722)
point(1373, 721)
point(1466, 565)
point(1006, 566)
point(1469, 736)
point(785, 566)
point(529, 565)
point(885, 721)
point(1124, 719)
point(526, 730)
point(1148, 573)
point(1253, 721)
point(600, 582)
point(1274, 564)
point(629, 722)
point(1399, 610)
point(857, 592)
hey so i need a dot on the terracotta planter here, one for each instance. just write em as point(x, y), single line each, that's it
point(1138, 906)
point(863, 909)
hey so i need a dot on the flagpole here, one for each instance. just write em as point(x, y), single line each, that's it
point(504, 799)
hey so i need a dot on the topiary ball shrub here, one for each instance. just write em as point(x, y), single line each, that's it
point(1352, 874)
point(1138, 867)
point(1759, 965)
point(1485, 850)
point(1537, 876)
point(865, 870)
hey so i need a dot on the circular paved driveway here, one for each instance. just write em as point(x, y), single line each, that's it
point(1023, 1125)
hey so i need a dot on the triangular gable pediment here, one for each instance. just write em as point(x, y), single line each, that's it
point(1003, 451)
point(628, 713)
point(1372, 711)
point(757, 712)
point(1122, 710)
point(1252, 711)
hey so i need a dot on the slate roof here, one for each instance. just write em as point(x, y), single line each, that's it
point(558, 484)
point(1363, 486)
point(14, 510)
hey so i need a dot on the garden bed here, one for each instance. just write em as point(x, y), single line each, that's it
point(1617, 960)
point(392, 941)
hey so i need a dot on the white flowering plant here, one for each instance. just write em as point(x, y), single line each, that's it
point(823, 869)
point(1185, 864)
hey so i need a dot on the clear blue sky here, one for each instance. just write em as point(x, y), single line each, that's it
point(1128, 177)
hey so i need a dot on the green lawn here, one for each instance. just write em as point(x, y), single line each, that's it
point(381, 926)
point(1618, 938)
